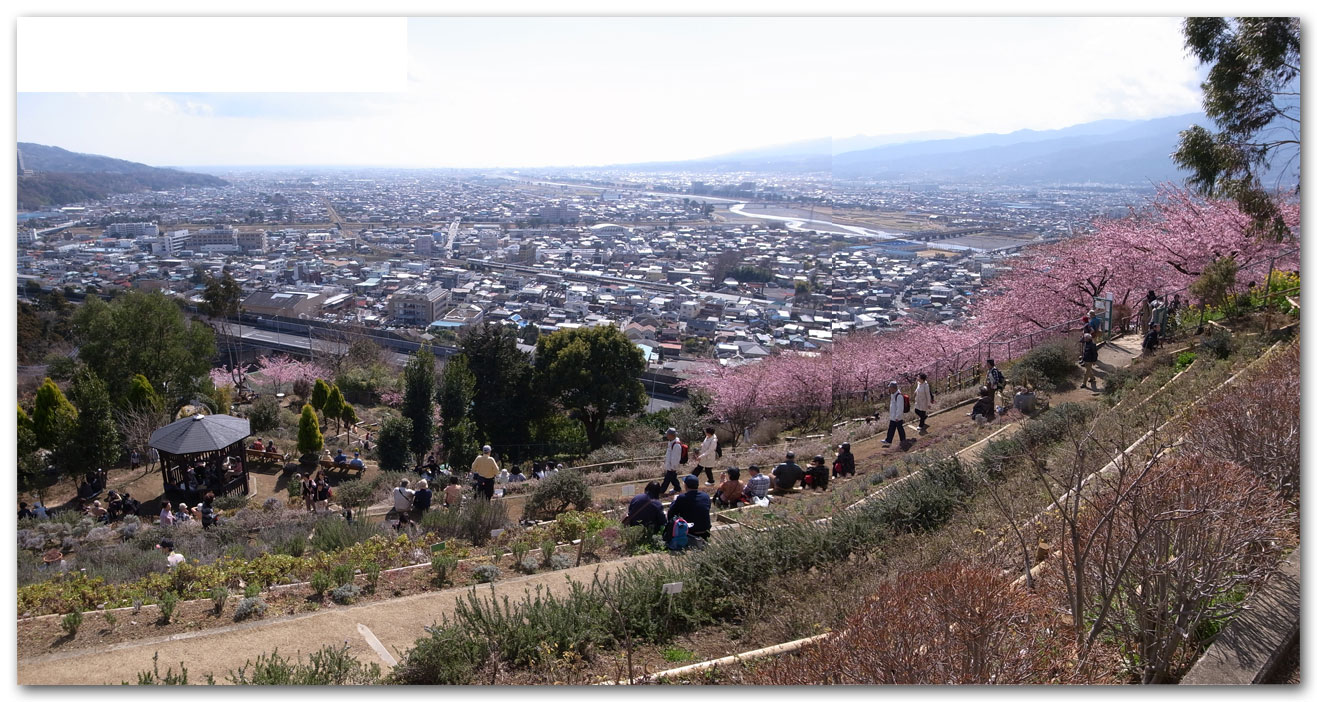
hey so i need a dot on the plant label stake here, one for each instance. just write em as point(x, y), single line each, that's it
point(493, 533)
point(628, 490)
point(439, 547)
point(672, 588)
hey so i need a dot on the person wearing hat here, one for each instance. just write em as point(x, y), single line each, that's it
point(356, 461)
point(172, 557)
point(787, 474)
point(895, 413)
point(54, 560)
point(845, 463)
point(816, 478)
point(485, 468)
point(671, 460)
point(693, 506)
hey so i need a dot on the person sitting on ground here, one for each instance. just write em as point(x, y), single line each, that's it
point(787, 474)
point(502, 477)
point(1152, 339)
point(130, 506)
point(39, 510)
point(539, 471)
point(515, 475)
point(24, 512)
point(730, 492)
point(983, 411)
point(356, 462)
point(453, 493)
point(403, 498)
point(645, 509)
point(692, 506)
point(340, 458)
point(113, 507)
point(183, 514)
point(421, 500)
point(758, 484)
point(845, 463)
point(96, 511)
point(54, 560)
point(816, 478)
point(86, 490)
point(172, 557)
point(405, 525)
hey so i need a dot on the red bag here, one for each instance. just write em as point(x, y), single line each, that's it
point(906, 399)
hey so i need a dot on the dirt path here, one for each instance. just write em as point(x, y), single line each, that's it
point(394, 624)
point(380, 630)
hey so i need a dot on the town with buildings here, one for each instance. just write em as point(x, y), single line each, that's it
point(690, 267)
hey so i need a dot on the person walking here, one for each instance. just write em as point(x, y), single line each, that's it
point(895, 413)
point(671, 460)
point(1089, 357)
point(485, 469)
point(708, 458)
point(322, 495)
point(923, 401)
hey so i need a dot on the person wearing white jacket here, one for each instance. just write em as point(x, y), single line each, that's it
point(708, 458)
point(923, 401)
point(671, 461)
point(895, 413)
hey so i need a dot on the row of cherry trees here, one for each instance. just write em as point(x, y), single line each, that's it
point(1163, 248)
point(270, 374)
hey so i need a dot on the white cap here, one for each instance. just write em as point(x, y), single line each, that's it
point(486, 448)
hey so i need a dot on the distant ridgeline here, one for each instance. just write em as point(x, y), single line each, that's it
point(51, 176)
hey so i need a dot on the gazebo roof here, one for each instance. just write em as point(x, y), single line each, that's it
point(200, 433)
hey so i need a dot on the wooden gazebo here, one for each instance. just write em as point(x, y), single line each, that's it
point(200, 454)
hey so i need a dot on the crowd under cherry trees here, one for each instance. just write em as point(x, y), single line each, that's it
point(270, 374)
point(1163, 247)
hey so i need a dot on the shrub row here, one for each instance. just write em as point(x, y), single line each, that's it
point(718, 582)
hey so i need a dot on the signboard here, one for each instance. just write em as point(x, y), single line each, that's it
point(493, 533)
point(628, 490)
point(672, 588)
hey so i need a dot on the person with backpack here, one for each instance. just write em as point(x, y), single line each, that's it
point(845, 463)
point(403, 498)
point(983, 410)
point(923, 401)
point(897, 406)
point(674, 455)
point(1088, 357)
point(709, 454)
point(691, 507)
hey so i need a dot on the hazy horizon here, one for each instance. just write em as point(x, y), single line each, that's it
point(590, 92)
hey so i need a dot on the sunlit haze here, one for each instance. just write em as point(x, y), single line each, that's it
point(510, 92)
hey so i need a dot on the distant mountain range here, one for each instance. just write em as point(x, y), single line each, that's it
point(60, 177)
point(1119, 152)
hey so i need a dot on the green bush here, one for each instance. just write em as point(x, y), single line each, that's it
point(546, 549)
point(472, 521)
point(328, 666)
point(333, 534)
point(219, 596)
point(529, 565)
point(168, 602)
point(997, 455)
point(1184, 360)
point(345, 594)
point(571, 526)
point(559, 561)
point(447, 656)
point(1054, 424)
point(321, 582)
point(251, 590)
point(1219, 343)
point(1047, 366)
point(558, 492)
point(443, 565)
point(249, 607)
point(486, 573)
point(264, 415)
point(342, 574)
point(71, 623)
point(372, 572)
point(230, 502)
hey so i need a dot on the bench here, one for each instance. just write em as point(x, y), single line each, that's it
point(266, 456)
point(343, 467)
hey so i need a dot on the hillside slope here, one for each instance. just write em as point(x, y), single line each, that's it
point(62, 177)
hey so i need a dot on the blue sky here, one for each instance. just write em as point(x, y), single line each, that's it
point(508, 92)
